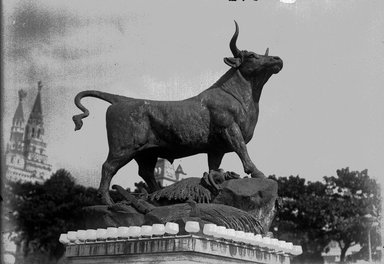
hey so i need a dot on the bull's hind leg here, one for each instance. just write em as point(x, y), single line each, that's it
point(109, 169)
point(147, 165)
point(214, 160)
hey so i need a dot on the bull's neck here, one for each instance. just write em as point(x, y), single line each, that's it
point(241, 88)
point(233, 83)
point(257, 83)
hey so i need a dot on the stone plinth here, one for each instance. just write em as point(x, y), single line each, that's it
point(179, 249)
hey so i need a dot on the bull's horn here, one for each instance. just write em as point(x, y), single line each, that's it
point(266, 52)
point(232, 44)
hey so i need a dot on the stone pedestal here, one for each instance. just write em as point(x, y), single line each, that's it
point(175, 249)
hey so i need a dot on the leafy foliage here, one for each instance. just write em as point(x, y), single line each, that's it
point(352, 195)
point(299, 217)
point(314, 213)
point(39, 213)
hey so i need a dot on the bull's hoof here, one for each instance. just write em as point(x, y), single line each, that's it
point(258, 174)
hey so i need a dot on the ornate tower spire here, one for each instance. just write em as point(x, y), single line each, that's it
point(37, 112)
point(35, 147)
point(178, 172)
point(18, 118)
point(15, 147)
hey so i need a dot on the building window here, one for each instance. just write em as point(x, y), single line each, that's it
point(33, 132)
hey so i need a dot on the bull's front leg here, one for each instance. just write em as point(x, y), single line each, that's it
point(235, 139)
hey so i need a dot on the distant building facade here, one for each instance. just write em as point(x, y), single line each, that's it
point(25, 156)
point(165, 174)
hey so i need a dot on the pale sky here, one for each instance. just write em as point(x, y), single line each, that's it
point(324, 111)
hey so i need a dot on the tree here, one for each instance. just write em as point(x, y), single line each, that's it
point(298, 219)
point(351, 195)
point(41, 212)
point(314, 213)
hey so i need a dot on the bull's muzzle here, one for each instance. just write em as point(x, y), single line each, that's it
point(276, 64)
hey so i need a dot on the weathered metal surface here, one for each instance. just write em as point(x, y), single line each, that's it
point(242, 204)
point(219, 120)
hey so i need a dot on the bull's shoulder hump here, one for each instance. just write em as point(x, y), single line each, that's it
point(219, 98)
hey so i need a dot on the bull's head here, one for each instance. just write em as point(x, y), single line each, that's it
point(250, 63)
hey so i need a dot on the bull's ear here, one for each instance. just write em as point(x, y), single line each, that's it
point(233, 62)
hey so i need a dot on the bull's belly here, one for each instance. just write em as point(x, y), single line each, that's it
point(178, 146)
point(170, 148)
point(182, 152)
point(171, 154)
point(183, 137)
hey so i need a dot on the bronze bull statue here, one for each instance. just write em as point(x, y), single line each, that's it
point(219, 120)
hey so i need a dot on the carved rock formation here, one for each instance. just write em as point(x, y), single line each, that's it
point(243, 204)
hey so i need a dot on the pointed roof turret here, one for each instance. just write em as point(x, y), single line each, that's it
point(179, 170)
point(19, 114)
point(37, 112)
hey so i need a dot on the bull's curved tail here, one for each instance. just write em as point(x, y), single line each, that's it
point(110, 98)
